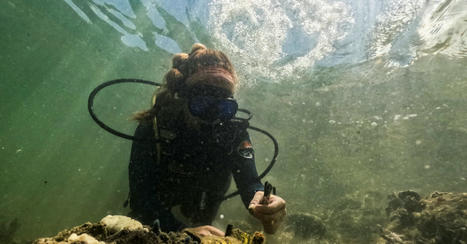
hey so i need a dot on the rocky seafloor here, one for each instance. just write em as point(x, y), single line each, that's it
point(117, 229)
point(440, 217)
point(406, 218)
point(402, 217)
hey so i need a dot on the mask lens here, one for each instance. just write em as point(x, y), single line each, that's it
point(227, 109)
point(200, 105)
point(211, 108)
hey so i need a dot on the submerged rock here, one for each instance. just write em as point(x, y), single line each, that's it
point(349, 219)
point(83, 238)
point(439, 218)
point(305, 225)
point(124, 230)
point(116, 223)
point(407, 218)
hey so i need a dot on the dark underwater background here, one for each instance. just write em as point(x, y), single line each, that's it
point(365, 98)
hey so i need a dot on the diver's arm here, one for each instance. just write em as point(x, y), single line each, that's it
point(244, 170)
point(271, 212)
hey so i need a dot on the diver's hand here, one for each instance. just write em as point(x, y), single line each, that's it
point(205, 230)
point(271, 214)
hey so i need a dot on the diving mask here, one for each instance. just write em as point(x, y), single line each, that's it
point(210, 108)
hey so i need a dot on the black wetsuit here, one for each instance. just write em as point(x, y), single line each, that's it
point(194, 172)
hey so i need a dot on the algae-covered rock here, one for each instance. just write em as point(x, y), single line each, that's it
point(305, 225)
point(407, 218)
point(124, 230)
point(440, 217)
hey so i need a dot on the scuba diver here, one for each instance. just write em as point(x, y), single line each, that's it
point(179, 175)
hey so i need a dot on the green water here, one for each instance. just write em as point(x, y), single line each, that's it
point(348, 120)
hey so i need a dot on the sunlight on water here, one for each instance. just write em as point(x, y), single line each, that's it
point(443, 28)
point(276, 39)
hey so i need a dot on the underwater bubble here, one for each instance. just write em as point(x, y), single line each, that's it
point(374, 124)
point(221, 216)
point(418, 142)
point(408, 116)
point(332, 122)
point(427, 166)
point(397, 117)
